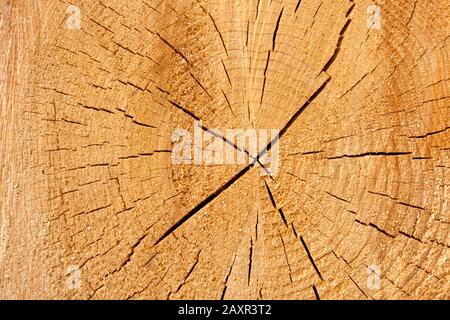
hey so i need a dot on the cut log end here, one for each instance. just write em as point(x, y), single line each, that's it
point(225, 149)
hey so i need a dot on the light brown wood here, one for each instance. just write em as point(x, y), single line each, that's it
point(89, 189)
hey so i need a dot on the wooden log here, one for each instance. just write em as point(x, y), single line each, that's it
point(349, 100)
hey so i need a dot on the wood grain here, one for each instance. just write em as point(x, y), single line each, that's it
point(87, 178)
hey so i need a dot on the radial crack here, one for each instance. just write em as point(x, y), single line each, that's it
point(311, 258)
point(297, 6)
point(250, 260)
point(370, 154)
point(285, 255)
point(204, 203)
point(316, 293)
point(215, 27)
point(226, 278)
point(275, 33)
point(272, 200)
